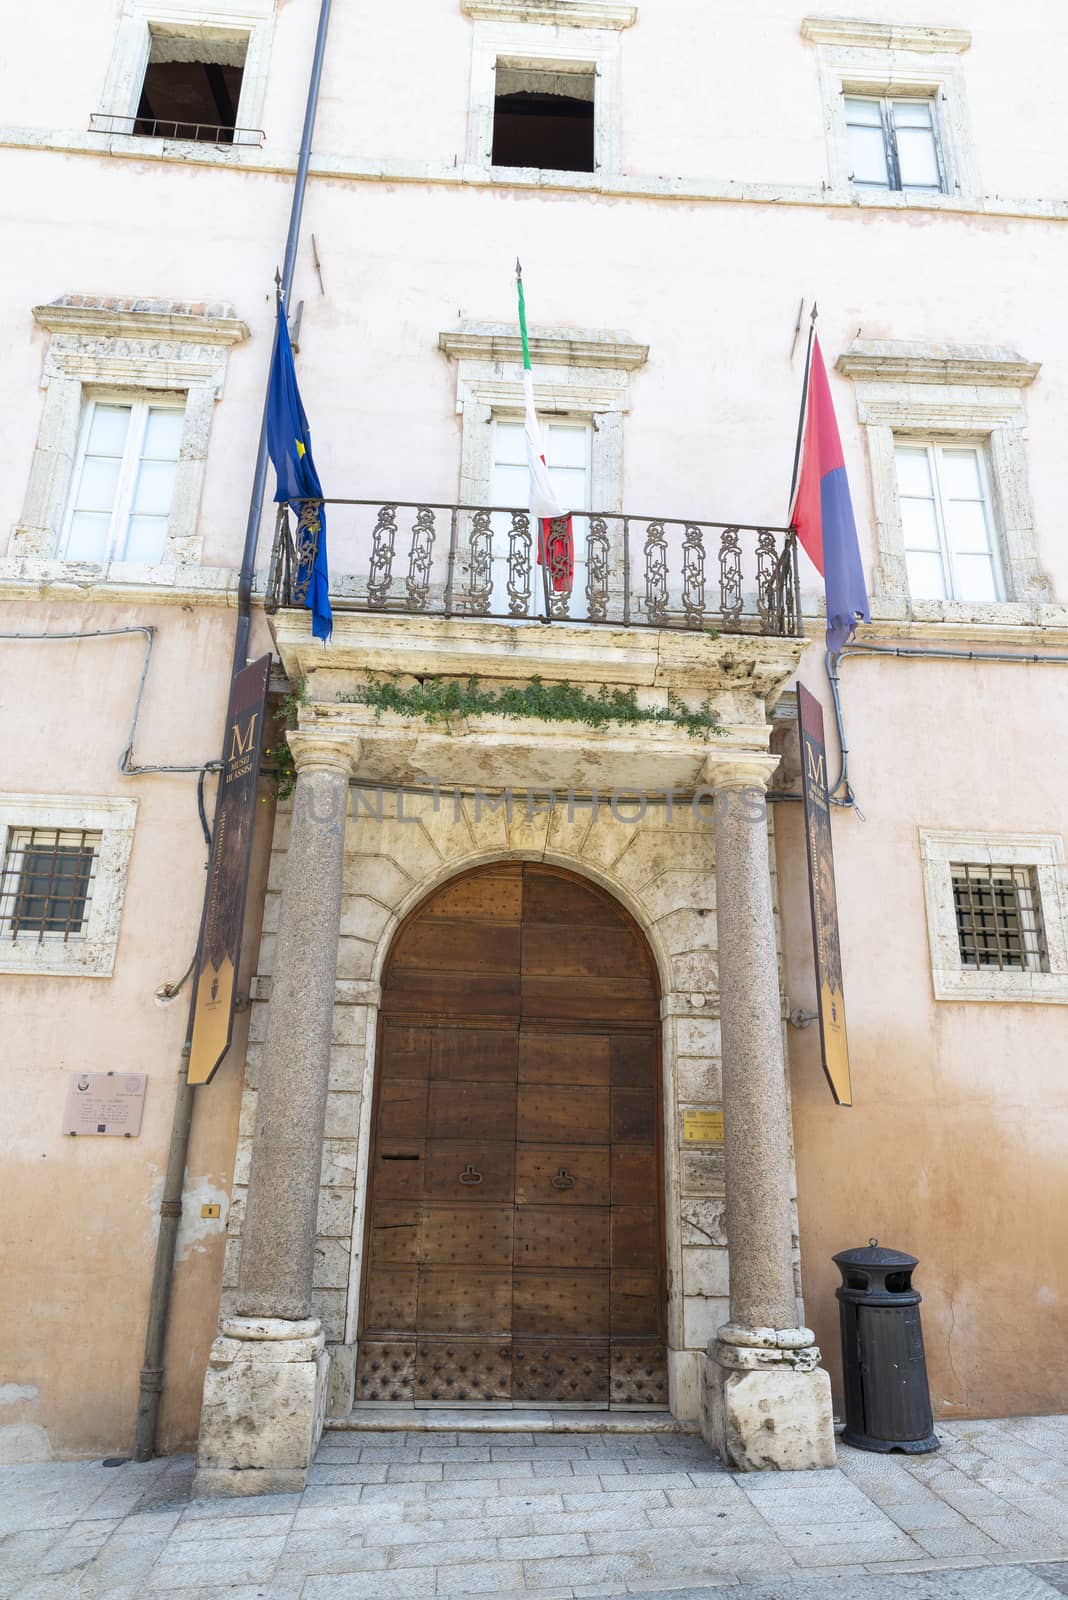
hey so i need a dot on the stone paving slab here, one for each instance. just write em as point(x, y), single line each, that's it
point(555, 1516)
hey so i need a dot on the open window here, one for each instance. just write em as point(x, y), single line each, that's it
point(192, 84)
point(544, 118)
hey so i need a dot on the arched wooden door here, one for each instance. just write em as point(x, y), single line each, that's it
point(515, 1235)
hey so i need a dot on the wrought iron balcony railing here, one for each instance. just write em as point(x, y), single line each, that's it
point(168, 128)
point(480, 561)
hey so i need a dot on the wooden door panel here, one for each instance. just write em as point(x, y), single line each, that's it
point(471, 1110)
point(402, 1109)
point(491, 896)
point(385, 1370)
point(566, 1058)
point(551, 1236)
point(452, 1165)
point(467, 1235)
point(398, 1170)
point(548, 897)
point(395, 1235)
point(479, 1055)
point(636, 1308)
point(560, 1373)
point(463, 1370)
point(392, 1299)
point(639, 1375)
point(552, 999)
point(634, 1175)
point(565, 949)
point(635, 1241)
point(634, 1061)
point(405, 1051)
point(633, 1116)
point(457, 946)
point(451, 994)
point(560, 1303)
point(514, 1237)
point(562, 1115)
point(465, 1300)
point(538, 1165)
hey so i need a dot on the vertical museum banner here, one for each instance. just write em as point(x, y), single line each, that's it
point(231, 847)
point(834, 1048)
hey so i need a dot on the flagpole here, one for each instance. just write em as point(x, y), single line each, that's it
point(542, 554)
point(804, 403)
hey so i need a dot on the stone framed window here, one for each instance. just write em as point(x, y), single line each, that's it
point(558, 64)
point(997, 915)
point(179, 67)
point(63, 862)
point(894, 108)
point(582, 393)
point(118, 469)
point(960, 411)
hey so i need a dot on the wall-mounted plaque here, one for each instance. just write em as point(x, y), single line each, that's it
point(105, 1102)
point(702, 1127)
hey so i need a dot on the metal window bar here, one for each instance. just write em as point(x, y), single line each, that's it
point(47, 882)
point(999, 918)
point(479, 561)
point(168, 128)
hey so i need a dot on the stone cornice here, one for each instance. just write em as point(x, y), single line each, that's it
point(690, 190)
point(854, 33)
point(556, 13)
point(125, 320)
point(893, 361)
point(560, 347)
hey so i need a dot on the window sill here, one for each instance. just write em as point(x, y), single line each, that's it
point(167, 584)
point(620, 185)
point(1006, 988)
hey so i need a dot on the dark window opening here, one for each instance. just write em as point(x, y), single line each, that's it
point(999, 918)
point(192, 88)
point(47, 881)
point(543, 119)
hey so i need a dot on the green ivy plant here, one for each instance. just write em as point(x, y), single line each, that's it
point(278, 753)
point(439, 699)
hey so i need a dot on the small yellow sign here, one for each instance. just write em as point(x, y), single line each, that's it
point(702, 1127)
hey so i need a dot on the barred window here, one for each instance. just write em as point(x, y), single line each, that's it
point(47, 882)
point(999, 918)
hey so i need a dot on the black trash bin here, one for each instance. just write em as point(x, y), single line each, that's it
point(888, 1404)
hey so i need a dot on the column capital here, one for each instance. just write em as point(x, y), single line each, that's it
point(741, 769)
point(322, 750)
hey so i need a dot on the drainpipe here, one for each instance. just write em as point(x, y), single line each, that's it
point(151, 1385)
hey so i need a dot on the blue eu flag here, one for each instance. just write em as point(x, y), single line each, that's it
point(289, 447)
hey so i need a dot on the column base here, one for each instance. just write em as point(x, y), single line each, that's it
point(264, 1404)
point(767, 1402)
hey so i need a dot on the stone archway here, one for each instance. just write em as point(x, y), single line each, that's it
point(515, 1232)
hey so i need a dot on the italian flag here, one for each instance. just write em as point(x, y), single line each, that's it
point(556, 536)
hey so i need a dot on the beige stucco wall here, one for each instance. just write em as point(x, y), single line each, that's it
point(685, 251)
point(82, 1214)
point(954, 1148)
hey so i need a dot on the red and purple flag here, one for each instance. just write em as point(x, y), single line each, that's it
point(822, 512)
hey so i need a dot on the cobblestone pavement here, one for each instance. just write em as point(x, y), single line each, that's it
point(552, 1516)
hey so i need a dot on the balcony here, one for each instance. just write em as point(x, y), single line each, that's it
point(458, 561)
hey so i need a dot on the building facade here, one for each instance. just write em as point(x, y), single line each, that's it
point(515, 1113)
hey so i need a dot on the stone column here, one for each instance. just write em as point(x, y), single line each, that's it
point(768, 1404)
point(265, 1387)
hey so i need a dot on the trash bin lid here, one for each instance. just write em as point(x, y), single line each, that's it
point(874, 1255)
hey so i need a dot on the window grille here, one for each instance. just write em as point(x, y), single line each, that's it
point(999, 918)
point(47, 882)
